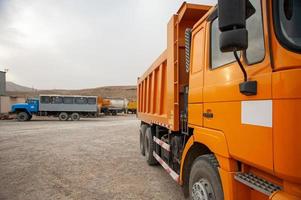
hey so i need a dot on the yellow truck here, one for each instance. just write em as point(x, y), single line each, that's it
point(132, 107)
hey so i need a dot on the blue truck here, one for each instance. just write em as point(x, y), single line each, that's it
point(62, 106)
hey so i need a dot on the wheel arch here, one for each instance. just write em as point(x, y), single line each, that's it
point(202, 141)
point(18, 110)
point(194, 150)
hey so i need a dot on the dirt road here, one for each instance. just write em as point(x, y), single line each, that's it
point(88, 159)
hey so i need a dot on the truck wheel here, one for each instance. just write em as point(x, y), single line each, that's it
point(63, 116)
point(204, 180)
point(22, 116)
point(75, 117)
point(142, 138)
point(149, 147)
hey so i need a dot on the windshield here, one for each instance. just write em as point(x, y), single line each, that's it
point(30, 101)
point(287, 17)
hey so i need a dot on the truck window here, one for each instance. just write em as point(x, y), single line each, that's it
point(29, 101)
point(218, 58)
point(68, 100)
point(198, 51)
point(256, 51)
point(56, 100)
point(45, 99)
point(287, 17)
point(91, 100)
point(81, 100)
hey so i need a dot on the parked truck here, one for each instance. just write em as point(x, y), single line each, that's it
point(220, 108)
point(61, 106)
point(132, 107)
point(114, 106)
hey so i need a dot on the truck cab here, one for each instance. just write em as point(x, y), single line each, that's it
point(25, 110)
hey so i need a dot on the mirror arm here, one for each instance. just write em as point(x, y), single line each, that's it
point(241, 66)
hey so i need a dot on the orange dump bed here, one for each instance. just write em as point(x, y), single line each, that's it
point(160, 87)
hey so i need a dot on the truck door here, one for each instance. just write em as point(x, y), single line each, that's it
point(33, 105)
point(246, 121)
point(195, 98)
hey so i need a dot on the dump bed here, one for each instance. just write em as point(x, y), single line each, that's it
point(160, 87)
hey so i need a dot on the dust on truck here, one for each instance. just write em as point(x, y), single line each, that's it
point(220, 108)
point(62, 106)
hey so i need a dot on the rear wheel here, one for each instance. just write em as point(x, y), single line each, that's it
point(22, 116)
point(63, 116)
point(204, 180)
point(142, 138)
point(149, 147)
point(75, 117)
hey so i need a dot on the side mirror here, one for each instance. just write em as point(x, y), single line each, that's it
point(232, 15)
point(232, 24)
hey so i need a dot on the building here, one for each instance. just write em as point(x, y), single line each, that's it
point(7, 101)
point(2, 83)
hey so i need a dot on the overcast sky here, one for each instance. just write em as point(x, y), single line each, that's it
point(71, 44)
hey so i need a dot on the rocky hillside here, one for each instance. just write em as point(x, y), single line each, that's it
point(128, 92)
point(13, 87)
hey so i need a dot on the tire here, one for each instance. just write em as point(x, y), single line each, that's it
point(22, 116)
point(142, 138)
point(63, 116)
point(114, 113)
point(75, 117)
point(204, 179)
point(149, 147)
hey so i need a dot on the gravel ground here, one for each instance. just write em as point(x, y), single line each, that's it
point(88, 159)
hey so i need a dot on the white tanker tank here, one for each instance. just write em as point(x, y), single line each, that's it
point(115, 105)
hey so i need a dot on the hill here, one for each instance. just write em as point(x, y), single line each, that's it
point(128, 92)
point(13, 87)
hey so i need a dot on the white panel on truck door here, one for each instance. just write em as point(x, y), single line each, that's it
point(258, 113)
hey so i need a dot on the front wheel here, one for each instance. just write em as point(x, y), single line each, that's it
point(22, 116)
point(204, 180)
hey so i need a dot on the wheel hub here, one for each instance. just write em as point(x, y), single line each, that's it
point(202, 190)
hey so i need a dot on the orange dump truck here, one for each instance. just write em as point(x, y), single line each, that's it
point(220, 108)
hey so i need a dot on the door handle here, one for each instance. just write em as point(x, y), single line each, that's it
point(208, 114)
